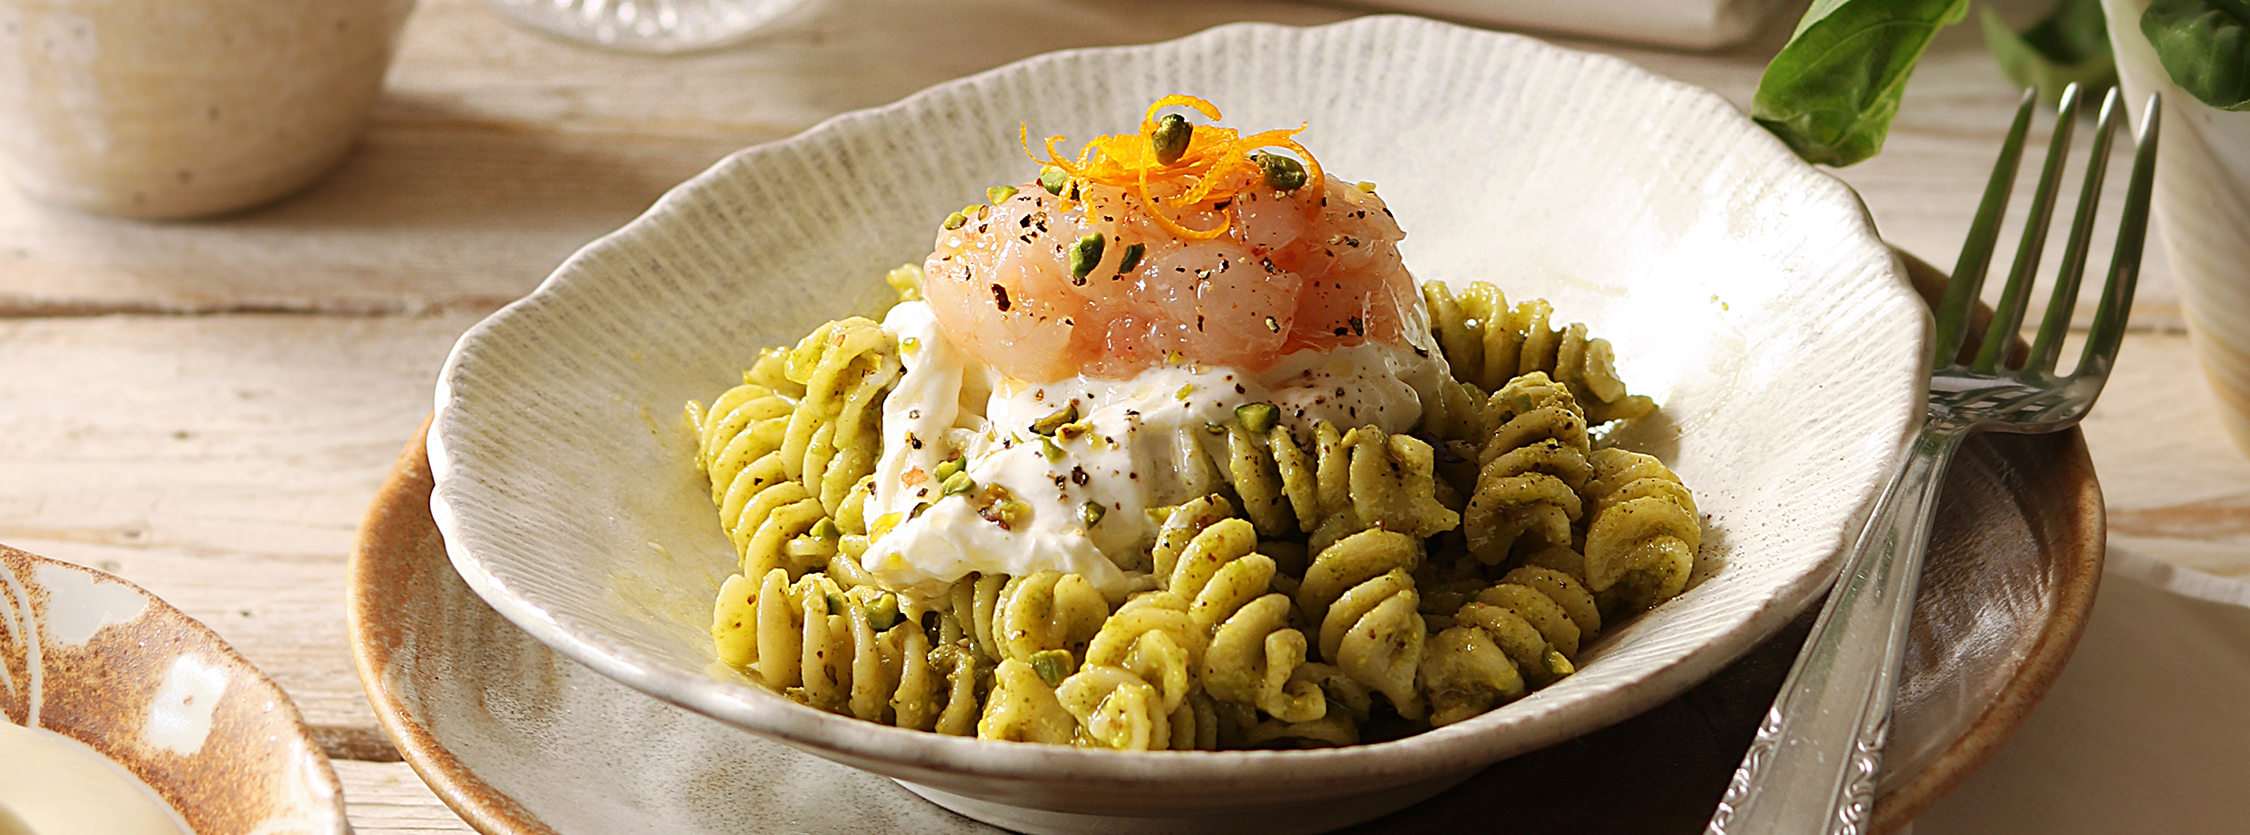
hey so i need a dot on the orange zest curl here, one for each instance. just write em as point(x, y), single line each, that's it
point(1216, 166)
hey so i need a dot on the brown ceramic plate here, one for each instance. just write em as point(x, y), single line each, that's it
point(97, 659)
point(520, 740)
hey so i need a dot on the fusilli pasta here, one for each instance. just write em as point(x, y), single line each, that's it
point(847, 651)
point(1360, 593)
point(785, 449)
point(1531, 470)
point(1253, 652)
point(1450, 571)
point(1641, 543)
point(1489, 343)
point(1520, 634)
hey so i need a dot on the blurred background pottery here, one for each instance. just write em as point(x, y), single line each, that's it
point(182, 108)
point(660, 26)
point(2202, 207)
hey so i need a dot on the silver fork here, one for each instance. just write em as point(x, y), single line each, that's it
point(1813, 765)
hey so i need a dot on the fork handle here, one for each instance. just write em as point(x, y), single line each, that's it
point(1813, 765)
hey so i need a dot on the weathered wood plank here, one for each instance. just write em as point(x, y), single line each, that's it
point(390, 799)
point(221, 461)
point(2176, 488)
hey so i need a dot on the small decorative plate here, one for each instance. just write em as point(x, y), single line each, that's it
point(97, 659)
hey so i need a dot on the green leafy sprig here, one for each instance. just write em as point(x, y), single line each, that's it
point(2070, 46)
point(2204, 46)
point(1832, 91)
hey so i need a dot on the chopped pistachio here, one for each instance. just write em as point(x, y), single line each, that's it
point(1091, 513)
point(1257, 417)
point(825, 529)
point(1052, 665)
point(910, 344)
point(1011, 512)
point(1184, 391)
point(1170, 140)
point(1131, 258)
point(1556, 664)
point(882, 612)
point(1048, 448)
point(1282, 173)
point(1053, 179)
point(1084, 255)
point(1047, 425)
point(955, 220)
point(956, 484)
point(1068, 431)
point(1214, 429)
point(835, 603)
point(1367, 187)
point(948, 467)
point(996, 194)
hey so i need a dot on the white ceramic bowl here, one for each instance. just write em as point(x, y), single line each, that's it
point(1744, 290)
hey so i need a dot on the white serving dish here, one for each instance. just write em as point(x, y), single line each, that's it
point(1743, 289)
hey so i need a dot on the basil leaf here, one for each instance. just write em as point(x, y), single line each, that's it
point(2205, 46)
point(1831, 92)
point(2071, 46)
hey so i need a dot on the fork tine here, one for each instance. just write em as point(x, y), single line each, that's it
point(2007, 315)
point(2048, 345)
point(2108, 330)
point(1976, 250)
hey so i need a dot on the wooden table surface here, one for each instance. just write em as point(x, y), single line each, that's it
point(206, 408)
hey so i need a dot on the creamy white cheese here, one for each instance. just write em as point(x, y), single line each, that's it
point(1142, 446)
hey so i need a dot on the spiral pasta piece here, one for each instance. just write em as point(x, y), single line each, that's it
point(1138, 674)
point(834, 435)
point(974, 603)
point(1394, 484)
point(1531, 470)
point(1023, 708)
point(788, 449)
point(850, 651)
point(1642, 540)
point(1043, 613)
point(1343, 482)
point(1360, 592)
point(1349, 704)
point(1520, 634)
point(739, 440)
point(1274, 478)
point(1488, 343)
point(1252, 651)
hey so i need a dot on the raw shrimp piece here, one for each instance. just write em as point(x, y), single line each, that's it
point(1229, 270)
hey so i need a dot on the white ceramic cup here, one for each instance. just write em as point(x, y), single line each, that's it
point(182, 108)
point(2202, 213)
